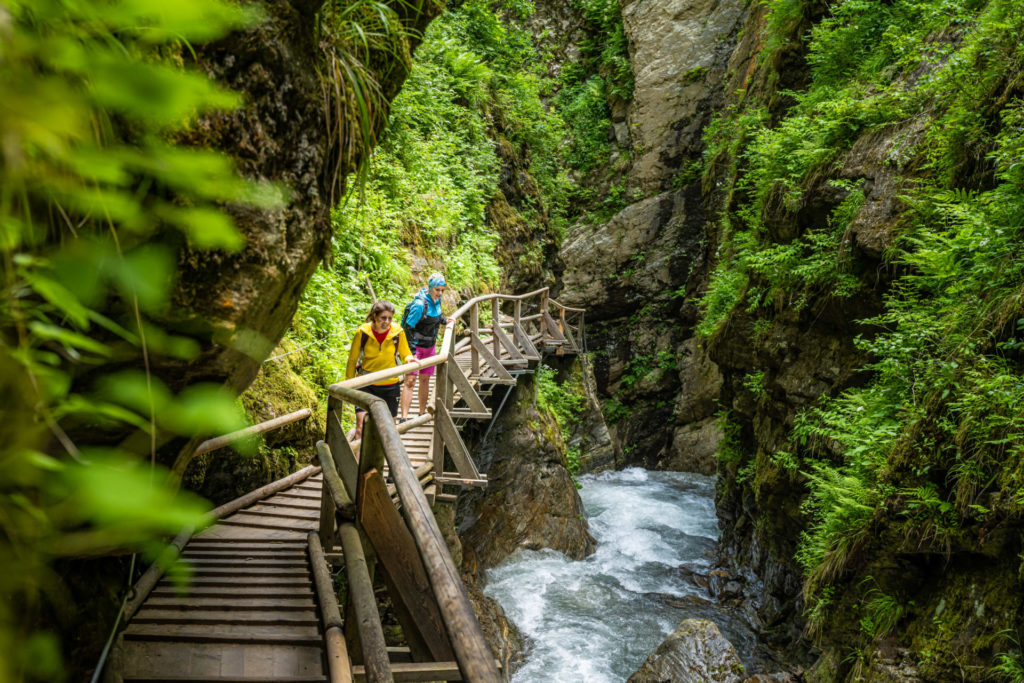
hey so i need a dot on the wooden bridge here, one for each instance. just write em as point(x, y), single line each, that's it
point(261, 602)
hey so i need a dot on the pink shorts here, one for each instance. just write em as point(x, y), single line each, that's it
point(421, 353)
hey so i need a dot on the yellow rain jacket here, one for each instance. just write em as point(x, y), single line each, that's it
point(377, 356)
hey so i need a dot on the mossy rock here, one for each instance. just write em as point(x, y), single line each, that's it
point(277, 390)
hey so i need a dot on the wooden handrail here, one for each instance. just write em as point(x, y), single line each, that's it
point(442, 356)
point(186, 457)
point(567, 308)
point(261, 428)
point(339, 667)
point(467, 638)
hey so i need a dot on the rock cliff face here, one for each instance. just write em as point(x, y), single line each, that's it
point(239, 305)
point(641, 273)
point(530, 500)
point(638, 272)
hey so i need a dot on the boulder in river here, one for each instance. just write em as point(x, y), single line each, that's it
point(696, 652)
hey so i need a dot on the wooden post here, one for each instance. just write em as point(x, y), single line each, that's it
point(518, 311)
point(371, 451)
point(543, 307)
point(442, 390)
point(474, 333)
point(364, 607)
point(495, 329)
point(335, 437)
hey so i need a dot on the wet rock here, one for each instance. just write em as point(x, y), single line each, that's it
point(530, 500)
point(693, 448)
point(696, 578)
point(696, 652)
point(724, 586)
point(897, 665)
point(589, 435)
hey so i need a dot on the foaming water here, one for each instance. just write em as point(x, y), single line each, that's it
point(598, 619)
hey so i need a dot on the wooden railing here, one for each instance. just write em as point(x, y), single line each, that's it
point(426, 589)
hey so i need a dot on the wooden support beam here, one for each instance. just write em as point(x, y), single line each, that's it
point(529, 350)
point(514, 353)
point(465, 387)
point(456, 446)
point(492, 362)
point(408, 584)
point(552, 328)
point(443, 397)
point(419, 671)
point(495, 327)
point(337, 441)
point(360, 596)
point(474, 335)
point(456, 480)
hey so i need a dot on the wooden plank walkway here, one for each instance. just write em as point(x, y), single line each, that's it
point(247, 610)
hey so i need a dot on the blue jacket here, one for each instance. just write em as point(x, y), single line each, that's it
point(416, 312)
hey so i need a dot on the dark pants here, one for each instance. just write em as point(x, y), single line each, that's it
point(389, 393)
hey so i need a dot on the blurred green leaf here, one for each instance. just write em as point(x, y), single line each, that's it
point(70, 339)
point(146, 272)
point(59, 296)
point(132, 389)
point(110, 489)
point(206, 228)
point(40, 657)
point(204, 409)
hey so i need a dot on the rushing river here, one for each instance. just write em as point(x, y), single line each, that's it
point(597, 620)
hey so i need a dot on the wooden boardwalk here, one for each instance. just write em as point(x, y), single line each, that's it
point(247, 609)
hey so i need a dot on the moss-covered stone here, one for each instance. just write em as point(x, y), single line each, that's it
point(278, 389)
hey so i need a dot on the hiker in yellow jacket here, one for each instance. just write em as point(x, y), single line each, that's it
point(378, 344)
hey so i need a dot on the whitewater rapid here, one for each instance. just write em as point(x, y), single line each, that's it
point(597, 619)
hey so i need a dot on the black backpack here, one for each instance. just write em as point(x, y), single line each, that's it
point(409, 336)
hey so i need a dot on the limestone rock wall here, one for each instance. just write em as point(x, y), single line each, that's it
point(638, 273)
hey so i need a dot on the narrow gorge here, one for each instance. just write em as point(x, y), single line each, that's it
point(791, 447)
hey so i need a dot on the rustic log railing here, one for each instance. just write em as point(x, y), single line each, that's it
point(426, 590)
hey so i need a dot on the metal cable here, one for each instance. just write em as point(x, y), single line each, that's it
point(117, 622)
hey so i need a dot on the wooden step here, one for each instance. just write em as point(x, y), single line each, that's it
point(152, 661)
point(246, 561)
point(248, 581)
point(233, 544)
point(257, 522)
point(269, 617)
point(245, 573)
point(274, 512)
point(230, 603)
point(199, 678)
point(234, 592)
point(273, 558)
point(204, 633)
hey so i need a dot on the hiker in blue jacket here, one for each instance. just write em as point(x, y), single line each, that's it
point(422, 321)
